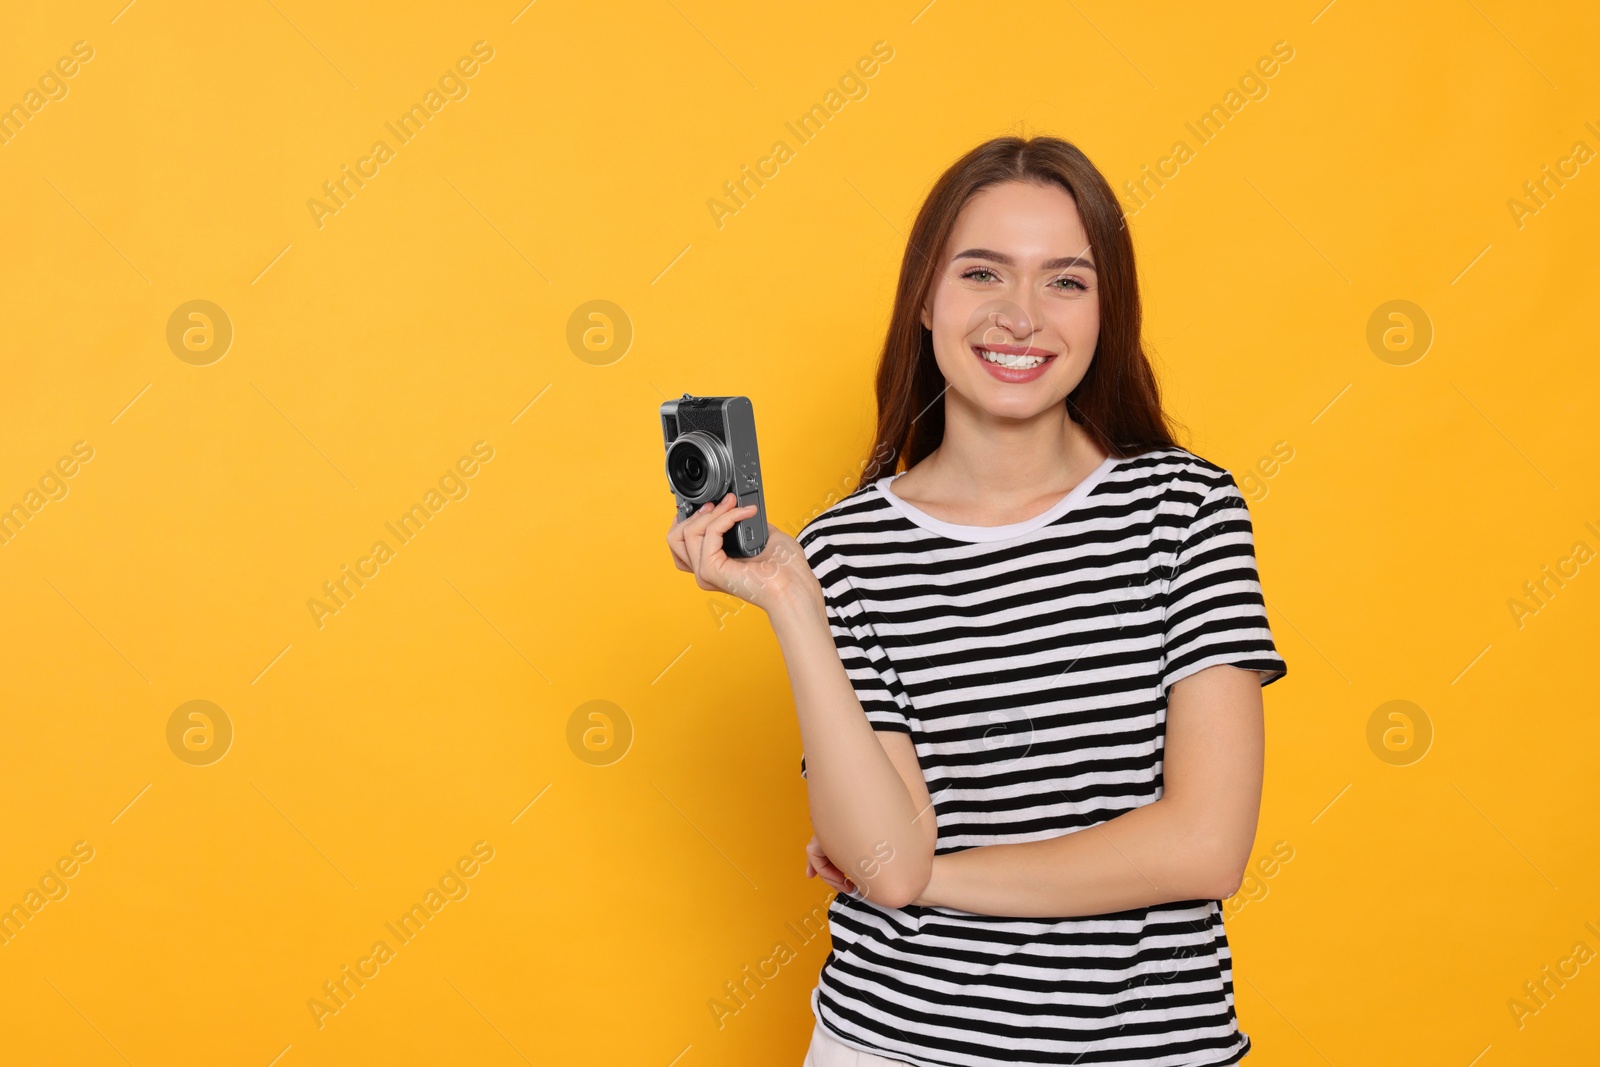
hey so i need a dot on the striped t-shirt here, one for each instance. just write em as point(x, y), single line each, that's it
point(1030, 663)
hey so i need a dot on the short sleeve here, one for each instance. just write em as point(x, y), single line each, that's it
point(871, 674)
point(1214, 612)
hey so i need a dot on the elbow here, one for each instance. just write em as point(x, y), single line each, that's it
point(1217, 865)
point(895, 874)
point(1219, 871)
point(1214, 854)
point(898, 894)
point(1225, 882)
point(900, 888)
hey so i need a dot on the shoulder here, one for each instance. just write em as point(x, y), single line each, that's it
point(850, 516)
point(861, 517)
point(1180, 479)
point(1177, 495)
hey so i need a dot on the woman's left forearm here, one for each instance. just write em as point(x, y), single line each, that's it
point(1150, 855)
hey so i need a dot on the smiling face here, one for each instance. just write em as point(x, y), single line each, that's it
point(1015, 307)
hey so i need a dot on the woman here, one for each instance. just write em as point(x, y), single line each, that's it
point(1027, 668)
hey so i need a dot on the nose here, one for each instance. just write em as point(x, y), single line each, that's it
point(1019, 319)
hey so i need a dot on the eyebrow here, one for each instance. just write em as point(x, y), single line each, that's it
point(1002, 258)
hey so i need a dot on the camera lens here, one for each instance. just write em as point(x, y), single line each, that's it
point(699, 467)
point(688, 471)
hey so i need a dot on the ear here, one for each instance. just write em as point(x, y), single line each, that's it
point(925, 314)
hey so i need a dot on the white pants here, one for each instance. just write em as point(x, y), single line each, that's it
point(828, 1051)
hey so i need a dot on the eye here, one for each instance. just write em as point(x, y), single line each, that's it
point(974, 272)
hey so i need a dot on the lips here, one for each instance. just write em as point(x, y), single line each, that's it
point(1013, 357)
point(1016, 363)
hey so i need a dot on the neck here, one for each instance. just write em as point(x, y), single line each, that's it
point(985, 457)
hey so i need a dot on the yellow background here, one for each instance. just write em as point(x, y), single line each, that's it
point(432, 310)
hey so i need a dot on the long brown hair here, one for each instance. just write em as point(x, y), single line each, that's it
point(1118, 401)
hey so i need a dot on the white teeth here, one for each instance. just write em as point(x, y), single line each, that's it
point(1015, 362)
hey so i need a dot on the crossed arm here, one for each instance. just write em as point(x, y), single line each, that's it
point(875, 820)
point(1192, 844)
point(869, 800)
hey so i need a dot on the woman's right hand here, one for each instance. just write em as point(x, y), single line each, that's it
point(764, 580)
point(818, 864)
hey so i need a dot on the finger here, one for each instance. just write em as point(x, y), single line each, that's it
point(693, 531)
point(698, 538)
point(678, 560)
point(834, 881)
point(723, 519)
point(826, 868)
point(689, 522)
point(678, 535)
point(680, 555)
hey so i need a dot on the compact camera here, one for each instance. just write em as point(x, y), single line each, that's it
point(711, 451)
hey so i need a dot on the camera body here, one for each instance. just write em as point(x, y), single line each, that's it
point(711, 451)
